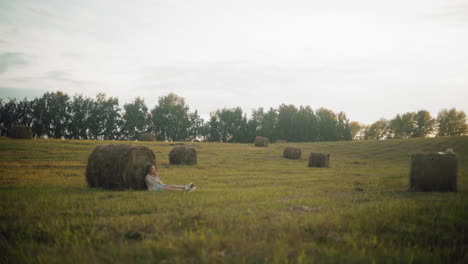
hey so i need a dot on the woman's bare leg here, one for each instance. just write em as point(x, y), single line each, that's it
point(174, 188)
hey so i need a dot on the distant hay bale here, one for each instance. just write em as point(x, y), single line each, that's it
point(119, 167)
point(20, 132)
point(292, 153)
point(261, 141)
point(279, 141)
point(183, 155)
point(147, 137)
point(321, 160)
point(433, 172)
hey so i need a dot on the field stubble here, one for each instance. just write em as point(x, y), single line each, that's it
point(251, 206)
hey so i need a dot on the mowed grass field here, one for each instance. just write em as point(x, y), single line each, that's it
point(251, 206)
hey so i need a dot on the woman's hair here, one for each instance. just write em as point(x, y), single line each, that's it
point(148, 168)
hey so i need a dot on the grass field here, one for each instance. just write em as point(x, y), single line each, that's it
point(251, 206)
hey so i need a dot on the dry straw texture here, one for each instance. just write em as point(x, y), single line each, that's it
point(147, 137)
point(292, 153)
point(183, 155)
point(20, 132)
point(261, 141)
point(119, 167)
point(433, 172)
point(321, 160)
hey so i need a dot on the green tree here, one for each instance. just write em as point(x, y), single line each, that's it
point(286, 116)
point(356, 130)
point(327, 125)
point(256, 121)
point(411, 125)
point(424, 124)
point(305, 125)
point(378, 130)
point(80, 117)
point(344, 127)
point(451, 122)
point(51, 115)
point(15, 112)
point(134, 119)
point(171, 118)
point(24, 113)
point(402, 126)
point(229, 125)
point(212, 129)
point(8, 114)
point(105, 119)
point(264, 124)
point(39, 124)
point(196, 130)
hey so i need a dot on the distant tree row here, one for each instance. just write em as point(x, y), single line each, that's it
point(414, 124)
point(57, 115)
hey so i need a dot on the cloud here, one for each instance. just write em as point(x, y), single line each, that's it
point(71, 54)
point(10, 92)
point(42, 12)
point(209, 86)
point(57, 75)
point(11, 59)
point(63, 76)
point(240, 77)
point(22, 79)
point(235, 77)
point(51, 80)
point(456, 11)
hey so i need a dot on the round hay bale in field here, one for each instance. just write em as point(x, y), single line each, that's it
point(292, 153)
point(183, 155)
point(119, 167)
point(320, 160)
point(433, 172)
point(147, 137)
point(20, 132)
point(261, 141)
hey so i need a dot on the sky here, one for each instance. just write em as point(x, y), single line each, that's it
point(370, 59)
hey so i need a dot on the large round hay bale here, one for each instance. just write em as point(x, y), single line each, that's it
point(183, 155)
point(20, 132)
point(119, 167)
point(147, 137)
point(320, 160)
point(261, 141)
point(433, 172)
point(292, 153)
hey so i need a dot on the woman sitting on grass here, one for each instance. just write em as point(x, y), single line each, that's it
point(154, 183)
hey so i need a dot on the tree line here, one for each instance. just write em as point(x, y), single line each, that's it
point(57, 115)
point(449, 122)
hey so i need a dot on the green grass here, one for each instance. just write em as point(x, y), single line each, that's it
point(251, 206)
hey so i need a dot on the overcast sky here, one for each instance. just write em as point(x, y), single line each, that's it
point(368, 58)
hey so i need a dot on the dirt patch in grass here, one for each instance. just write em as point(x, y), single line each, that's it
point(145, 232)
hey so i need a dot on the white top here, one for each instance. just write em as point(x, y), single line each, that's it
point(152, 181)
